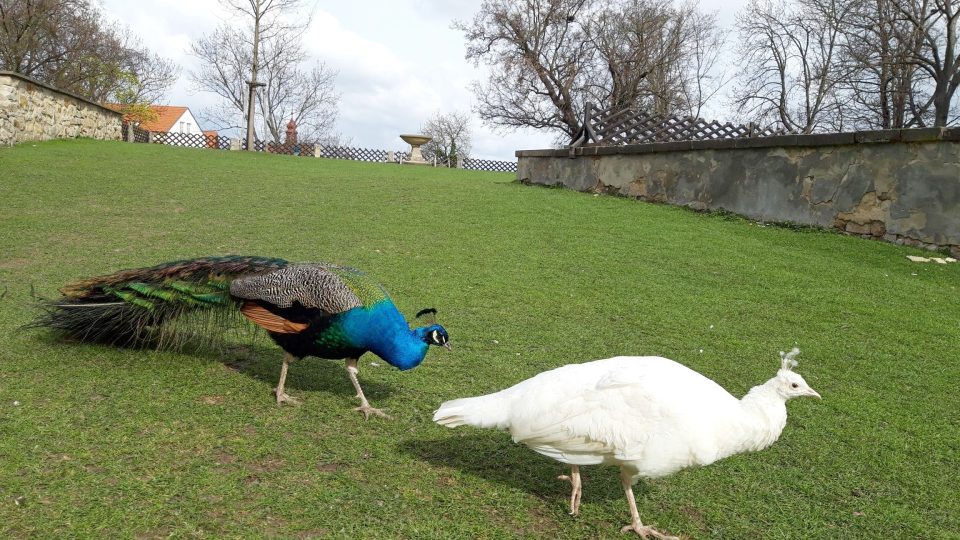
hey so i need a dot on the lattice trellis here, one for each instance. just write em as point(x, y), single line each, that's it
point(190, 140)
point(140, 135)
point(309, 149)
point(627, 126)
point(291, 149)
point(355, 154)
point(489, 165)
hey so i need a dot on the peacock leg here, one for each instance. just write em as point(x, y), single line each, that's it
point(576, 489)
point(644, 531)
point(282, 396)
point(364, 407)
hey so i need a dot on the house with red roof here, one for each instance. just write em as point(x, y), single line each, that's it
point(170, 118)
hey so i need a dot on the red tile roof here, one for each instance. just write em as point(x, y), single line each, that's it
point(167, 116)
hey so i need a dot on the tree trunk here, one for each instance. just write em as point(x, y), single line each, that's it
point(251, 134)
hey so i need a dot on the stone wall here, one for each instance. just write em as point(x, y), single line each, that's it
point(899, 185)
point(34, 111)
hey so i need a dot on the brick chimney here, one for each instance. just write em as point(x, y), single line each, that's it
point(291, 132)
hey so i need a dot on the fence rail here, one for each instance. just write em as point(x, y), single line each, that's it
point(628, 126)
point(194, 140)
point(489, 165)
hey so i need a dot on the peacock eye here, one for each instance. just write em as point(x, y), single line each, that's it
point(795, 385)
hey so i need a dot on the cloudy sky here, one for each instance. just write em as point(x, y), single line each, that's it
point(398, 62)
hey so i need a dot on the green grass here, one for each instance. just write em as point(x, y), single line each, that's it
point(122, 443)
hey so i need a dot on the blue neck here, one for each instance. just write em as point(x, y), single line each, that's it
point(382, 330)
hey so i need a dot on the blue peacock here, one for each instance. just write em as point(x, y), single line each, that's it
point(309, 309)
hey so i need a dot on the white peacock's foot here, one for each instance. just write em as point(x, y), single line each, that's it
point(646, 532)
point(576, 490)
point(283, 397)
point(367, 410)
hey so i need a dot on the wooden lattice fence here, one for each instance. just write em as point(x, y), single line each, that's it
point(140, 135)
point(489, 165)
point(355, 154)
point(628, 126)
point(192, 140)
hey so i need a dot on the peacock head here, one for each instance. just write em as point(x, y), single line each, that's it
point(434, 334)
point(788, 383)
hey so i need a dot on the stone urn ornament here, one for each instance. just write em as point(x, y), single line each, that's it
point(415, 141)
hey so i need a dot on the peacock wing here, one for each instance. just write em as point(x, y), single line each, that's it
point(317, 286)
point(608, 409)
point(367, 290)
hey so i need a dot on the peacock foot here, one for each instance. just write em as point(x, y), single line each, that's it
point(576, 489)
point(367, 410)
point(283, 397)
point(646, 532)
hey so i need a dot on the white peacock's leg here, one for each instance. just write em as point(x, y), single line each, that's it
point(364, 407)
point(644, 531)
point(282, 396)
point(575, 488)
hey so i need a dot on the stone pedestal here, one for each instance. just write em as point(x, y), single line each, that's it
point(415, 141)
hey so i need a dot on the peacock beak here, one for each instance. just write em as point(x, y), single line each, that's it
point(448, 347)
point(812, 393)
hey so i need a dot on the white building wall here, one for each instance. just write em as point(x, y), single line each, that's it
point(187, 123)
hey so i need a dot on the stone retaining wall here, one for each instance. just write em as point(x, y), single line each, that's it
point(899, 185)
point(33, 111)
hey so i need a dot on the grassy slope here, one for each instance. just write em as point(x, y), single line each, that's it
point(150, 444)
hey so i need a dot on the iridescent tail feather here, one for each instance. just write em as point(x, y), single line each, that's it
point(164, 306)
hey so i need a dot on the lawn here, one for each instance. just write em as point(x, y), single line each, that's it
point(102, 442)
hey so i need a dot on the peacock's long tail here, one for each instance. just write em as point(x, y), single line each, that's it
point(162, 306)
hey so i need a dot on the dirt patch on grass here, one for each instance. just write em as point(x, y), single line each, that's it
point(312, 534)
point(695, 516)
point(14, 264)
point(155, 534)
point(266, 466)
point(223, 458)
point(541, 523)
point(330, 467)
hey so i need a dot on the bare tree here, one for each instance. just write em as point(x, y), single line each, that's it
point(451, 137)
point(549, 57)
point(266, 21)
point(934, 24)
point(792, 69)
point(536, 56)
point(883, 87)
point(224, 62)
point(308, 96)
point(145, 77)
point(653, 54)
point(704, 73)
point(68, 44)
